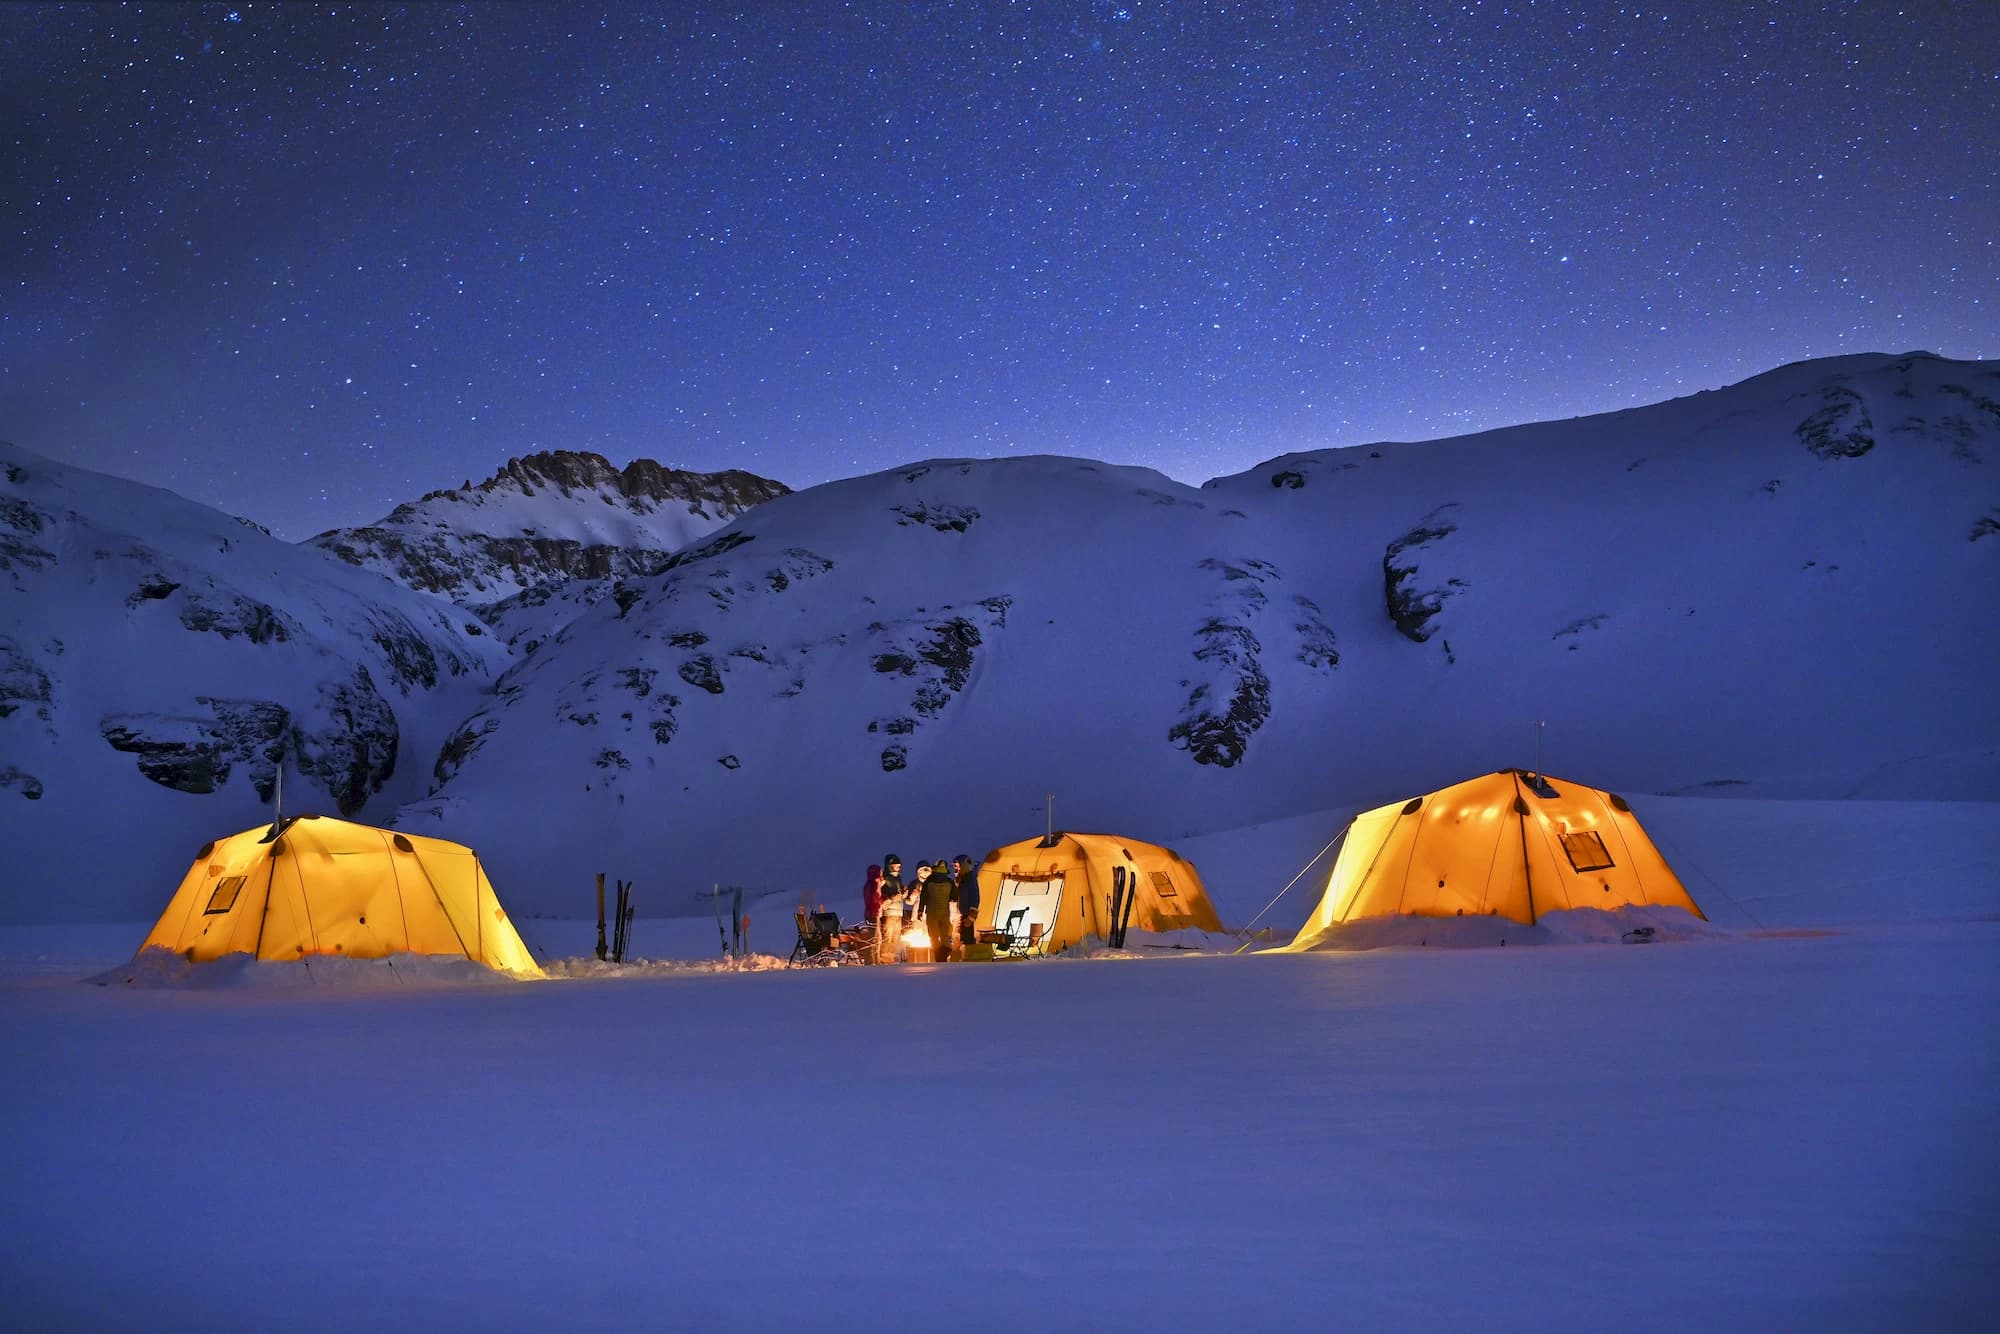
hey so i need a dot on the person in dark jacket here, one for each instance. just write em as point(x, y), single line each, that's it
point(912, 892)
point(965, 876)
point(937, 893)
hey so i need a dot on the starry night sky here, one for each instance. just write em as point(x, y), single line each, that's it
point(305, 263)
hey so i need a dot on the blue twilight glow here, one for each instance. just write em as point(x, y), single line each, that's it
point(307, 262)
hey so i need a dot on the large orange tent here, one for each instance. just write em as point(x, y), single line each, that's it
point(1067, 883)
point(310, 885)
point(1514, 844)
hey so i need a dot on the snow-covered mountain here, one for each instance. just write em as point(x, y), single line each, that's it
point(160, 660)
point(1786, 587)
point(547, 535)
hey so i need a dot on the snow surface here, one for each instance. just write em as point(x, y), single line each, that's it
point(1784, 1123)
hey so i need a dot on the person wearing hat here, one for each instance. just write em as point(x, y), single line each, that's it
point(937, 893)
point(965, 876)
point(889, 915)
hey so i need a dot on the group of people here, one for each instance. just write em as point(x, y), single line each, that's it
point(944, 896)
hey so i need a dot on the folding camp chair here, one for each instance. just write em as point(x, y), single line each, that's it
point(821, 941)
point(1001, 937)
point(1017, 937)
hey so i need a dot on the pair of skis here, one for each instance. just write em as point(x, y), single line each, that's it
point(621, 931)
point(1124, 889)
point(623, 935)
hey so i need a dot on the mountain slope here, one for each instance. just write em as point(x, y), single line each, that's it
point(1783, 587)
point(159, 662)
point(553, 527)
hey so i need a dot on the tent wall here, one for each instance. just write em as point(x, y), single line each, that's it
point(1508, 844)
point(331, 887)
point(1087, 863)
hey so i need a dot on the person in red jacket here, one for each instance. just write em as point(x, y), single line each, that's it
point(871, 896)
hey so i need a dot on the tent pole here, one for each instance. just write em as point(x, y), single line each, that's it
point(270, 887)
point(1521, 814)
point(1369, 870)
point(445, 908)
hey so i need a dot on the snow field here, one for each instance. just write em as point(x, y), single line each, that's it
point(1749, 1133)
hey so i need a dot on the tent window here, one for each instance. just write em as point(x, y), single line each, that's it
point(1586, 851)
point(1163, 886)
point(224, 897)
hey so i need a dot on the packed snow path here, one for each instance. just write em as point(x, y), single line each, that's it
point(1786, 1130)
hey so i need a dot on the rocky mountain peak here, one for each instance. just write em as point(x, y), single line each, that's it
point(567, 521)
point(642, 483)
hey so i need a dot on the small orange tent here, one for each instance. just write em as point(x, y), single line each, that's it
point(1067, 883)
point(1514, 843)
point(315, 886)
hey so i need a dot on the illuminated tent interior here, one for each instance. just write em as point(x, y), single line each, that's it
point(1066, 885)
point(310, 886)
point(1513, 844)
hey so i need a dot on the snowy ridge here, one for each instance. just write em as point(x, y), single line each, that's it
point(560, 524)
point(1772, 590)
point(160, 662)
point(1701, 596)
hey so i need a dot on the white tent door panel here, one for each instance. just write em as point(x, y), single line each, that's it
point(1041, 897)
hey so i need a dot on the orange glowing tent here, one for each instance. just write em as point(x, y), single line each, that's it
point(1513, 844)
point(309, 885)
point(1066, 884)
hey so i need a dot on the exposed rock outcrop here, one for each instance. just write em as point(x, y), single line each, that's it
point(1841, 428)
point(1413, 606)
point(1229, 698)
point(23, 682)
point(350, 749)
